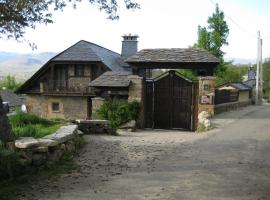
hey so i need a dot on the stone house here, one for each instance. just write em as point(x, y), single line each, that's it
point(74, 83)
point(239, 92)
point(13, 100)
point(60, 88)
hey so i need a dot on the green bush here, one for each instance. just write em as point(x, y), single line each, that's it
point(9, 165)
point(118, 111)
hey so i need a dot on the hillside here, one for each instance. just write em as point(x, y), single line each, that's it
point(22, 66)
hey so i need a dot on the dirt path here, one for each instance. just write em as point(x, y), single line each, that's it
point(230, 164)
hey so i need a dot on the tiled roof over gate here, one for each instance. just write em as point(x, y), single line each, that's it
point(174, 55)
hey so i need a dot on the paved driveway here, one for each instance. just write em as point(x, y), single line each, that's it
point(230, 163)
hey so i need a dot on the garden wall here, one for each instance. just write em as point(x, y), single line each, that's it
point(225, 107)
point(49, 149)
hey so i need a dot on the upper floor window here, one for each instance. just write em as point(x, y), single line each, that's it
point(79, 70)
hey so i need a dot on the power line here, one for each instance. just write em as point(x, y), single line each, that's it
point(235, 23)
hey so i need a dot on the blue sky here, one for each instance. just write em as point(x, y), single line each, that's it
point(159, 24)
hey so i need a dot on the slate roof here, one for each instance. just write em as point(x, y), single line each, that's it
point(112, 79)
point(84, 51)
point(174, 55)
point(251, 83)
point(12, 98)
point(239, 86)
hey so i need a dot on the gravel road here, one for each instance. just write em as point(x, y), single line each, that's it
point(232, 162)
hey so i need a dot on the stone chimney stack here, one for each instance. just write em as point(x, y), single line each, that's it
point(129, 46)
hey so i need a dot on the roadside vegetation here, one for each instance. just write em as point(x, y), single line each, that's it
point(10, 83)
point(13, 183)
point(118, 111)
point(30, 125)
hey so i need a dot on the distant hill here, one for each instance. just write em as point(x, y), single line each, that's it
point(22, 66)
point(241, 60)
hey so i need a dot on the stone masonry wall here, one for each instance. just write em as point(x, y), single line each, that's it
point(69, 107)
point(206, 89)
point(136, 92)
point(49, 149)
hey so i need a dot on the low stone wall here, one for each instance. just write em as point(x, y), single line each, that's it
point(95, 126)
point(225, 107)
point(49, 149)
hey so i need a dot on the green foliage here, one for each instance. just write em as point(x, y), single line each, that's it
point(22, 119)
point(118, 111)
point(214, 37)
point(231, 74)
point(188, 73)
point(266, 80)
point(10, 83)
point(9, 166)
point(29, 125)
point(16, 15)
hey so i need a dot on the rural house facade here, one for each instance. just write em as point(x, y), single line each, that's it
point(60, 88)
point(74, 83)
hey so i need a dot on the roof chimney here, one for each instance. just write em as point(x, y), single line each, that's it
point(129, 46)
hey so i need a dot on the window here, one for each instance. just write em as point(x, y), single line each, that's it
point(55, 107)
point(79, 70)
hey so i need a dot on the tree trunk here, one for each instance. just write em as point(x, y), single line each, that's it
point(6, 134)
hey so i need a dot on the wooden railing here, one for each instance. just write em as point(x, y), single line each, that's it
point(63, 87)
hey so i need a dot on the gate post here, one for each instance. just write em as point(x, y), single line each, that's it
point(136, 92)
point(206, 95)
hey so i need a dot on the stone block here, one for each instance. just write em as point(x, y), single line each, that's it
point(26, 142)
point(55, 156)
point(64, 134)
point(39, 159)
point(40, 149)
point(47, 142)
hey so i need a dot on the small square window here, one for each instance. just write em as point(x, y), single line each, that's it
point(55, 107)
point(79, 70)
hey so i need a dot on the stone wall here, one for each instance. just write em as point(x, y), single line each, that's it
point(69, 107)
point(79, 83)
point(225, 107)
point(49, 149)
point(206, 89)
point(95, 127)
point(244, 96)
point(136, 92)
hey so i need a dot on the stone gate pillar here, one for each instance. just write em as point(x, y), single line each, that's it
point(136, 92)
point(206, 95)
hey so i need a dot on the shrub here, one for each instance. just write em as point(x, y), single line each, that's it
point(9, 165)
point(118, 111)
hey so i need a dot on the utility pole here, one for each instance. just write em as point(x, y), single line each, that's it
point(261, 73)
point(258, 96)
point(258, 70)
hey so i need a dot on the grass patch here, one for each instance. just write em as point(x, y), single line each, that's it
point(201, 128)
point(30, 125)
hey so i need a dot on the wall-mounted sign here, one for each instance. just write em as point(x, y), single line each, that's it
point(205, 99)
point(206, 87)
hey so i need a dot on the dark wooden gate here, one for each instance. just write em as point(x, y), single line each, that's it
point(169, 102)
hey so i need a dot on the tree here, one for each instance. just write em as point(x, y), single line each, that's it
point(16, 15)
point(10, 83)
point(214, 37)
